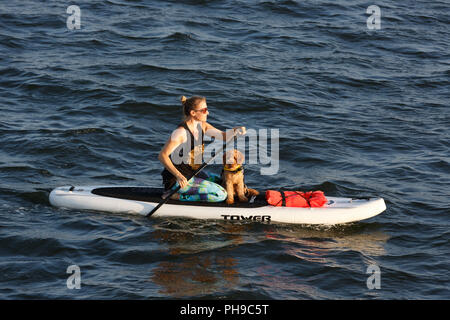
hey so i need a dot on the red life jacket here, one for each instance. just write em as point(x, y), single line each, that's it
point(308, 199)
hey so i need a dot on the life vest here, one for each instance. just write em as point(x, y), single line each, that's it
point(308, 199)
point(189, 154)
point(190, 161)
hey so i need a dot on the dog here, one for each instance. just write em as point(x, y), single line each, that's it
point(233, 177)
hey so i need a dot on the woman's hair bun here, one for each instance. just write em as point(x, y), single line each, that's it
point(183, 99)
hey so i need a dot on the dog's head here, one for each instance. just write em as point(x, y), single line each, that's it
point(233, 159)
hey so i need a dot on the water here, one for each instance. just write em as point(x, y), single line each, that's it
point(360, 113)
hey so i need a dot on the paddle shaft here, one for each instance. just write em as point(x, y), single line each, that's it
point(195, 173)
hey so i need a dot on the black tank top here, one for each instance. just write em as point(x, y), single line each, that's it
point(189, 162)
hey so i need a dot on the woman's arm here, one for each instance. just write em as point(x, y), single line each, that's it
point(211, 131)
point(177, 138)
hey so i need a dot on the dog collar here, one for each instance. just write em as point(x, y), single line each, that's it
point(240, 168)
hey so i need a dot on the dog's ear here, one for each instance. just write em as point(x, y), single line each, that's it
point(239, 157)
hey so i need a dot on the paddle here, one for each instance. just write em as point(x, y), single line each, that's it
point(163, 201)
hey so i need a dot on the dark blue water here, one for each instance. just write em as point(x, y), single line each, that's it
point(360, 113)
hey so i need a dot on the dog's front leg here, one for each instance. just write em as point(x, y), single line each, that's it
point(230, 192)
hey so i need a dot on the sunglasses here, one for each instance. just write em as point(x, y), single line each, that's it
point(204, 110)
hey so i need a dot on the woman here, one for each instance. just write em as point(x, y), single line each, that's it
point(187, 142)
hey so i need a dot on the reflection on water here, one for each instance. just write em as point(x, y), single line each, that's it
point(307, 259)
point(205, 260)
point(197, 267)
point(198, 275)
point(314, 244)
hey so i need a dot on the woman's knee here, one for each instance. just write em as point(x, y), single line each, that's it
point(215, 192)
point(218, 194)
point(202, 190)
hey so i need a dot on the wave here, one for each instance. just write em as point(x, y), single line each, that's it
point(286, 7)
point(178, 37)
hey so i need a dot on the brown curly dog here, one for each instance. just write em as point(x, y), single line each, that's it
point(233, 177)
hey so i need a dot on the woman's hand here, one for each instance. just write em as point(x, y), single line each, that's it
point(182, 181)
point(240, 130)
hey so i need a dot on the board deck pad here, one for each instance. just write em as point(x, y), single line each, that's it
point(149, 194)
